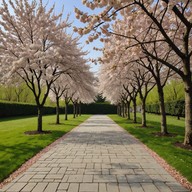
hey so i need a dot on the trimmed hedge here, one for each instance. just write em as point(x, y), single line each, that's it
point(94, 108)
point(174, 108)
point(8, 109)
point(98, 108)
point(20, 109)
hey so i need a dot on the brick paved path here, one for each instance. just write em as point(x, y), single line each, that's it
point(97, 156)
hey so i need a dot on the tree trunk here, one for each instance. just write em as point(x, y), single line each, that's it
point(128, 110)
point(143, 113)
point(74, 110)
point(57, 111)
point(188, 113)
point(117, 109)
point(123, 110)
point(162, 110)
point(77, 109)
point(80, 109)
point(134, 111)
point(120, 110)
point(39, 119)
point(66, 111)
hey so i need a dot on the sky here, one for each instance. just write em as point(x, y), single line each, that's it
point(69, 6)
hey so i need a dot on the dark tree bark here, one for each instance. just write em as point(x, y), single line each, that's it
point(143, 113)
point(39, 119)
point(128, 110)
point(164, 130)
point(74, 110)
point(66, 111)
point(134, 110)
point(57, 111)
point(188, 113)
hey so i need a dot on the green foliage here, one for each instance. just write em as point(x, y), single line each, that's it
point(180, 159)
point(98, 108)
point(152, 96)
point(16, 147)
point(173, 91)
point(99, 98)
point(8, 109)
point(174, 108)
point(20, 93)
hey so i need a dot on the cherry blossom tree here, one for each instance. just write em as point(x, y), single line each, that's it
point(34, 45)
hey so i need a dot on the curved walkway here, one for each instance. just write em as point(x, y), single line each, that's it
point(97, 156)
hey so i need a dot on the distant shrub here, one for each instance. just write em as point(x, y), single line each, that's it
point(174, 108)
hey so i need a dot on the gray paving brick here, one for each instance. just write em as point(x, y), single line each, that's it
point(63, 186)
point(51, 187)
point(17, 187)
point(75, 179)
point(102, 187)
point(29, 187)
point(124, 187)
point(149, 187)
point(112, 187)
point(89, 187)
point(73, 187)
point(40, 187)
point(104, 178)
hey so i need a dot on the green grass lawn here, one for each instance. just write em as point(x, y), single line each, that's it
point(178, 158)
point(16, 147)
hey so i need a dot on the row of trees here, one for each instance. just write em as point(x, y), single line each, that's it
point(35, 47)
point(146, 42)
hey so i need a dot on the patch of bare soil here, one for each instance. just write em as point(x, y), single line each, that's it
point(159, 134)
point(181, 145)
point(145, 127)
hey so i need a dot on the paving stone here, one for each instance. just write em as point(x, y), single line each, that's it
point(102, 187)
point(29, 187)
point(87, 178)
point(16, 187)
point(104, 178)
point(121, 179)
point(112, 187)
point(139, 179)
point(75, 179)
point(124, 187)
point(162, 187)
point(25, 178)
point(89, 187)
point(174, 186)
point(51, 187)
point(63, 186)
point(136, 187)
point(149, 187)
point(73, 187)
point(40, 187)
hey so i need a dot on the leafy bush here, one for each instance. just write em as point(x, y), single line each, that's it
point(8, 109)
point(98, 108)
point(175, 108)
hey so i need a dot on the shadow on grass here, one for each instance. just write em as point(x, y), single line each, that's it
point(16, 118)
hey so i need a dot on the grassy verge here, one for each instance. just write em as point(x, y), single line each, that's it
point(178, 158)
point(16, 147)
